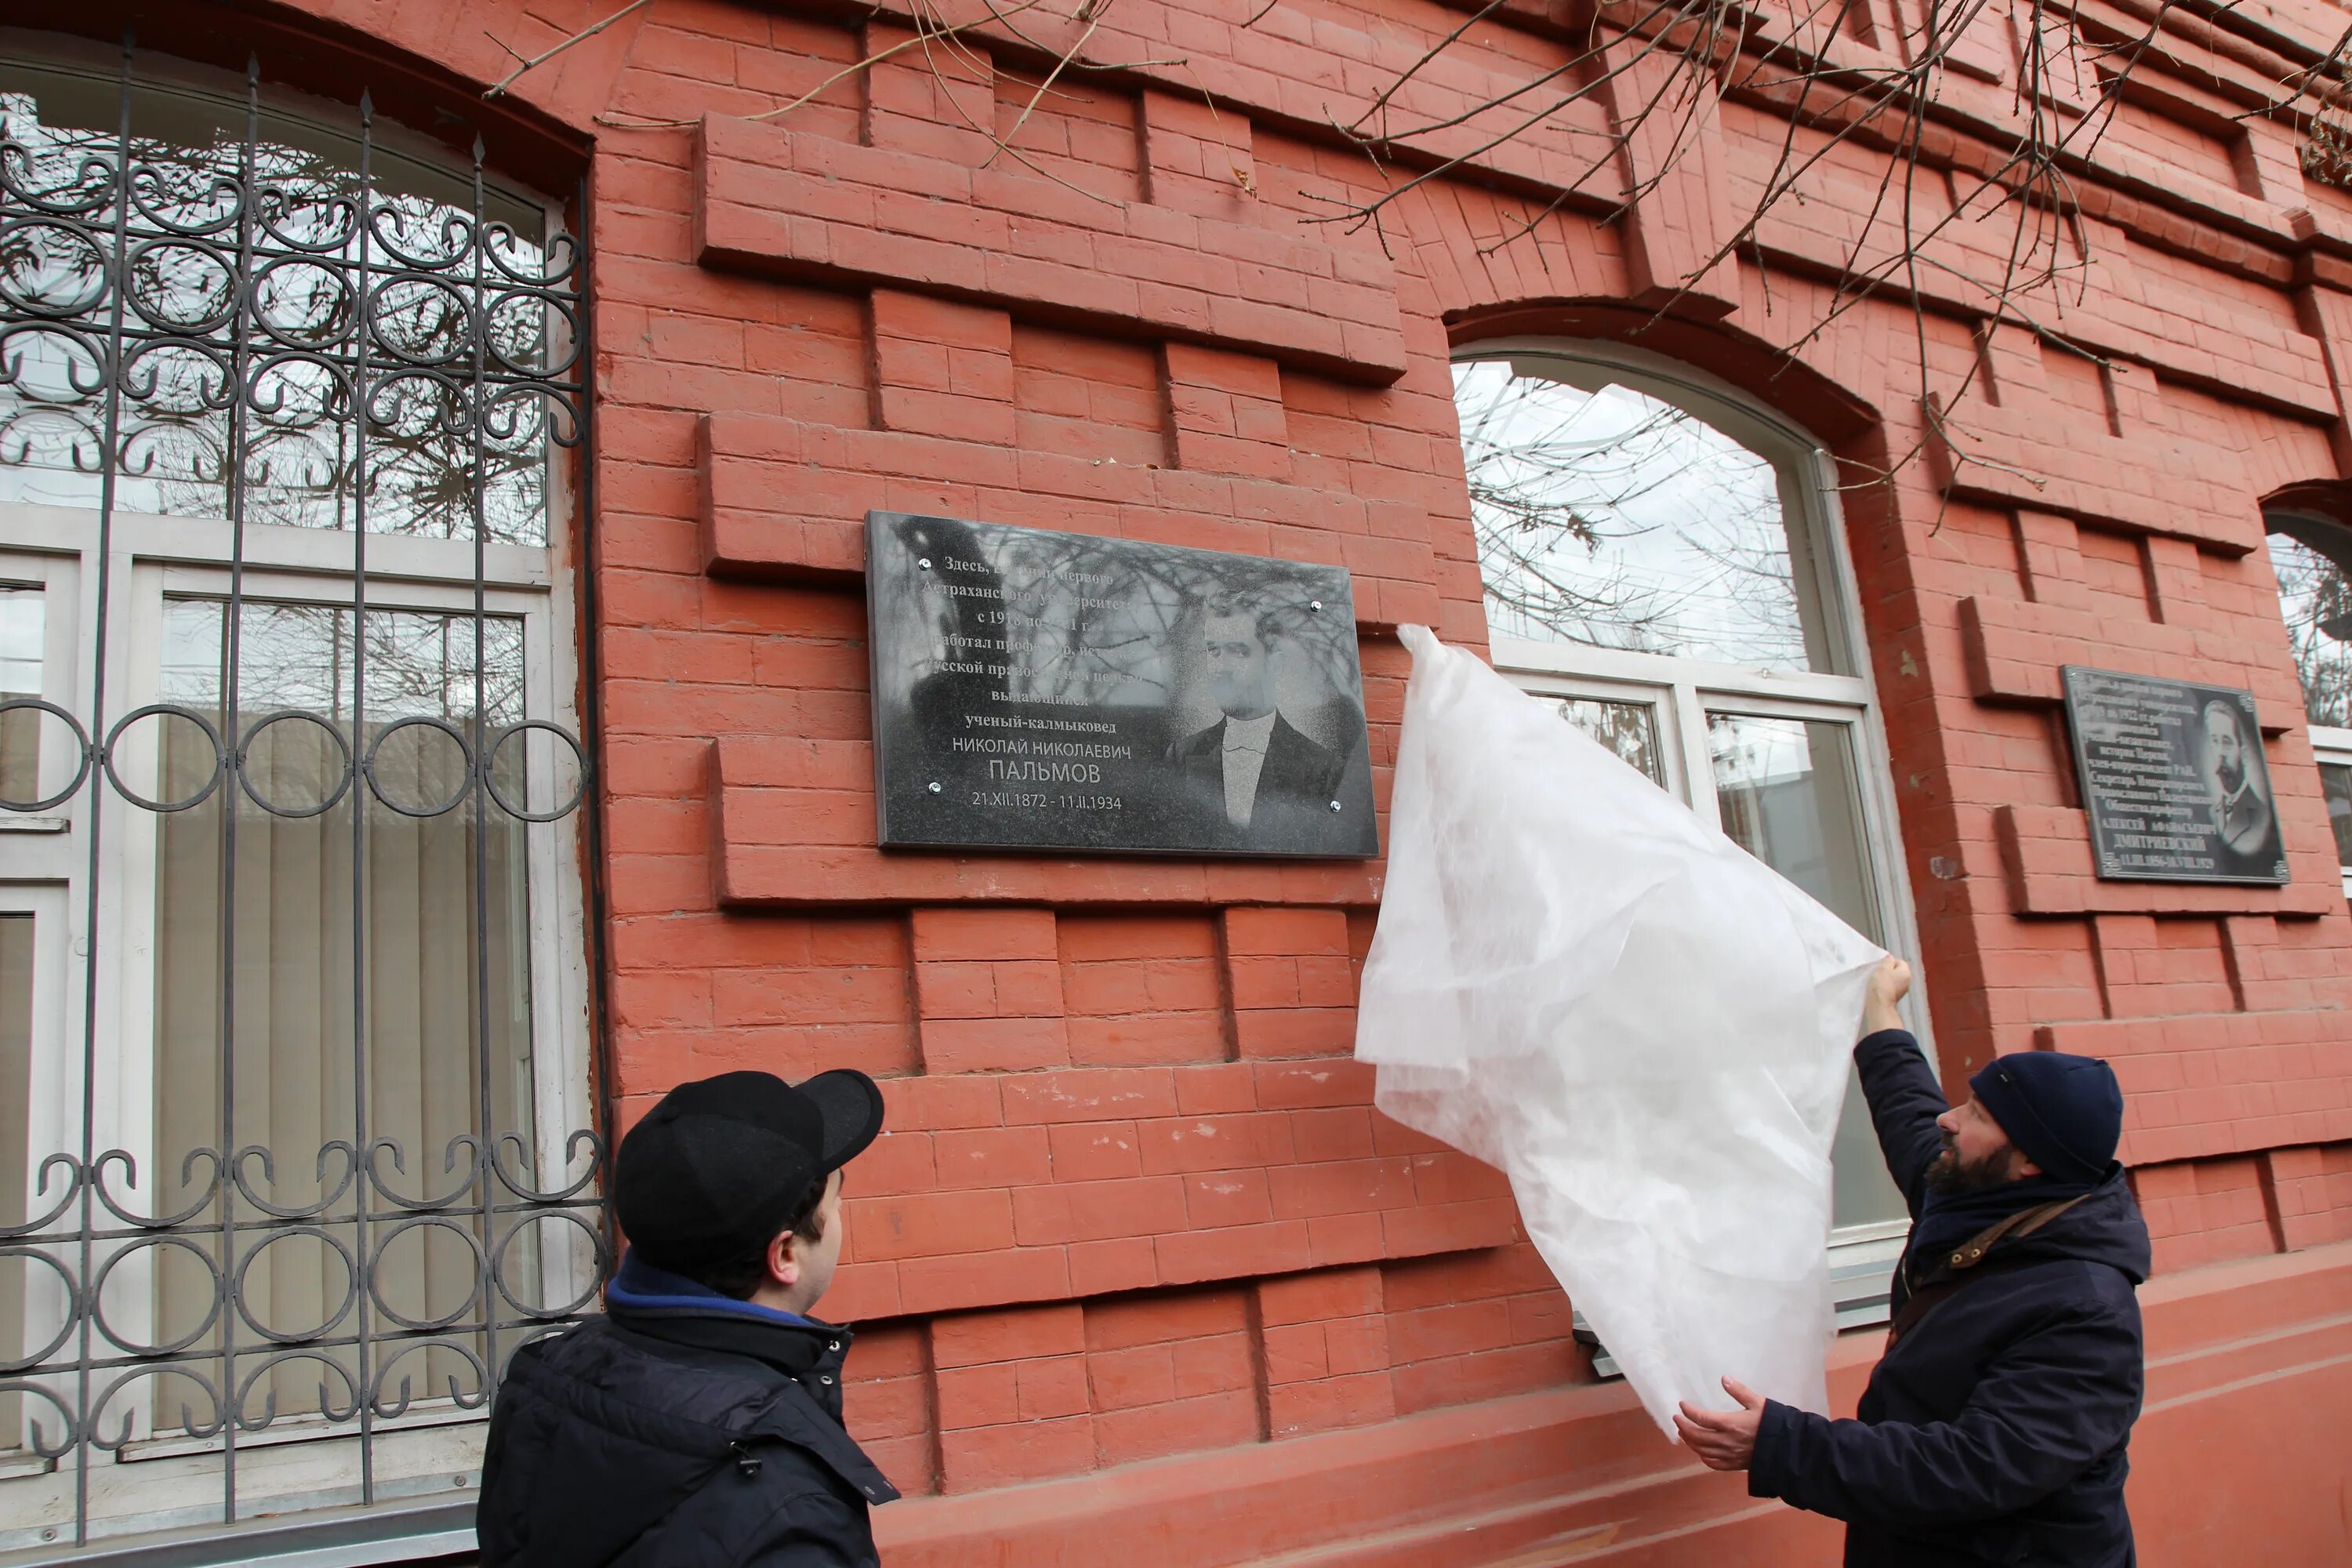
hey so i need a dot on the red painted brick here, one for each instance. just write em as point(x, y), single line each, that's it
point(992, 1157)
point(1094, 1150)
point(1180, 1426)
point(1312, 1297)
point(1327, 1403)
point(1099, 1211)
point(1226, 1254)
point(931, 1223)
point(976, 1339)
point(1089, 1095)
point(1019, 1451)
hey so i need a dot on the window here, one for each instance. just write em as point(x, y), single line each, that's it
point(292, 983)
point(1660, 561)
point(2311, 556)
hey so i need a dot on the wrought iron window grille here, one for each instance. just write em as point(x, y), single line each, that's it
point(264, 341)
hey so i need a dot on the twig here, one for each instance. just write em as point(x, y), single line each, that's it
point(926, 31)
point(1093, 21)
point(515, 75)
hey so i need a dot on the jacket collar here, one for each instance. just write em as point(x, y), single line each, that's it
point(675, 1310)
point(2103, 1226)
point(639, 1286)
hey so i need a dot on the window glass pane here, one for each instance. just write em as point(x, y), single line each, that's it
point(1628, 729)
point(2317, 603)
point(1787, 791)
point(2335, 785)
point(1789, 795)
point(23, 626)
point(448, 979)
point(300, 460)
point(1617, 520)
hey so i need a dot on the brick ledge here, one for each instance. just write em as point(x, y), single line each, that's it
point(1243, 1504)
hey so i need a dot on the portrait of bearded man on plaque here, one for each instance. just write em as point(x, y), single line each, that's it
point(2229, 752)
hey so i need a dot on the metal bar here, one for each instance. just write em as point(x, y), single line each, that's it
point(232, 644)
point(486, 1163)
point(364, 1261)
point(110, 435)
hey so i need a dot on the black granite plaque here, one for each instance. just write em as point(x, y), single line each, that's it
point(1039, 690)
point(2174, 780)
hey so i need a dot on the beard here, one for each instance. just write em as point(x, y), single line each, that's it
point(2232, 774)
point(1951, 1175)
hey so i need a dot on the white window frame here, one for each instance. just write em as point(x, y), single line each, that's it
point(1684, 690)
point(2330, 746)
point(44, 867)
point(2333, 747)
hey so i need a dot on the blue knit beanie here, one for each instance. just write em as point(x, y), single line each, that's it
point(2065, 1111)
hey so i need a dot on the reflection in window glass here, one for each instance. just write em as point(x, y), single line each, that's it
point(448, 985)
point(1617, 520)
point(22, 628)
point(298, 446)
point(2335, 783)
point(2316, 602)
point(1787, 792)
point(1628, 729)
point(419, 664)
point(1789, 795)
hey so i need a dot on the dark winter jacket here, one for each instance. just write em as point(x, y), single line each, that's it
point(1295, 786)
point(1993, 1431)
point(681, 1430)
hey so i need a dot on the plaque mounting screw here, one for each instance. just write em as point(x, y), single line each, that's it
point(925, 563)
point(1335, 805)
point(935, 789)
point(1316, 605)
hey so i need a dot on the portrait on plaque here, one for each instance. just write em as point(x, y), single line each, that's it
point(1035, 691)
point(2174, 780)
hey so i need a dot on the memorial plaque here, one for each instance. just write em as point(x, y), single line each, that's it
point(1041, 690)
point(2174, 780)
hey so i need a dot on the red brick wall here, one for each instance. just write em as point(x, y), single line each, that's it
point(1133, 1200)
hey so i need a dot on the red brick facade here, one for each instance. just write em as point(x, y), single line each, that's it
point(1134, 1204)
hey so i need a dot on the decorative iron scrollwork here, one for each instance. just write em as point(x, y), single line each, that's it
point(249, 329)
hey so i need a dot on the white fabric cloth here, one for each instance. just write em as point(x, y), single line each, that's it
point(1577, 981)
point(1244, 757)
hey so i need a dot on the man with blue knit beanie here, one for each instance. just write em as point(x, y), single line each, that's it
point(1994, 1427)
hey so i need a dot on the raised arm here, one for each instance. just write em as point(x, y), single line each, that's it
point(1905, 1098)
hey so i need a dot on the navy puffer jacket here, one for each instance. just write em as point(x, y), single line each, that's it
point(1994, 1431)
point(687, 1437)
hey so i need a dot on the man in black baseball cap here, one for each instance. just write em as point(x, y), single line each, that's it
point(1994, 1428)
point(698, 1423)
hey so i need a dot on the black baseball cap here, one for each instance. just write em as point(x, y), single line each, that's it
point(723, 1163)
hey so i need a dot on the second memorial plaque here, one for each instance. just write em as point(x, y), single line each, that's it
point(2173, 778)
point(1036, 690)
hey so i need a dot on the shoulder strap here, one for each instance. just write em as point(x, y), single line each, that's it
point(1968, 1262)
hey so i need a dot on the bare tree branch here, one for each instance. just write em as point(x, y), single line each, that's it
point(499, 87)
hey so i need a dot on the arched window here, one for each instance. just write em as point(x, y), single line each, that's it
point(2312, 556)
point(1660, 560)
point(292, 989)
